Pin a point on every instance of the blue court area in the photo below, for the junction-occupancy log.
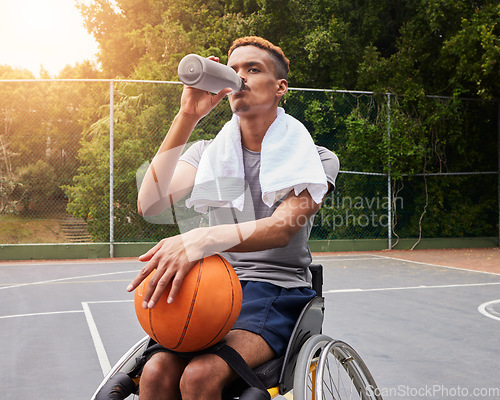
(424, 331)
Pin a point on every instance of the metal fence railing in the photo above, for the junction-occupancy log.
(70, 151)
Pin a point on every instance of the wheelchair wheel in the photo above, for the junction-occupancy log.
(342, 374)
(329, 369)
(125, 365)
(304, 381)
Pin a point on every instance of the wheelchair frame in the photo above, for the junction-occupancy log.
(315, 366)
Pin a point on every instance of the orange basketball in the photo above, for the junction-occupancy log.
(204, 310)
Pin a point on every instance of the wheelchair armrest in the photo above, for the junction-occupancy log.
(269, 372)
(309, 323)
(317, 278)
(281, 370)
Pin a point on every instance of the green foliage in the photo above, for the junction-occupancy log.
(411, 49)
(8, 203)
(474, 214)
(143, 114)
(444, 47)
(409, 135)
(40, 131)
(38, 181)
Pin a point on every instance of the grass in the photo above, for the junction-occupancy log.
(22, 229)
(40, 223)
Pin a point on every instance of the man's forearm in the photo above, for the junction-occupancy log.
(248, 236)
(266, 233)
(153, 195)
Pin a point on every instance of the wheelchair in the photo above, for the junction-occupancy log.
(314, 367)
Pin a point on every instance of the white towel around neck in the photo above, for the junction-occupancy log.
(289, 161)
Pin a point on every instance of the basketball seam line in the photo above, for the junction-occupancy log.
(191, 308)
(151, 325)
(232, 302)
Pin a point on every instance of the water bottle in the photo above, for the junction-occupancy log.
(208, 75)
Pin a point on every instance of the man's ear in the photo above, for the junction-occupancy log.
(282, 87)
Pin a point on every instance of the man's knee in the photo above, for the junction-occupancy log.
(153, 372)
(207, 375)
(161, 371)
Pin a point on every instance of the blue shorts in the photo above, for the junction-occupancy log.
(271, 311)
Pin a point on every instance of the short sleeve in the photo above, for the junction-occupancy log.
(192, 154)
(331, 164)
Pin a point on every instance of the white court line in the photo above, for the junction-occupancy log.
(99, 346)
(41, 313)
(63, 312)
(435, 265)
(408, 288)
(66, 279)
(482, 309)
(109, 301)
(25, 263)
(330, 258)
(94, 332)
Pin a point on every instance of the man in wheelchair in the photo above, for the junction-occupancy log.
(281, 178)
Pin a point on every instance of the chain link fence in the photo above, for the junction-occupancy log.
(57, 161)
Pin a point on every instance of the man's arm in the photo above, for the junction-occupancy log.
(173, 257)
(165, 174)
(167, 180)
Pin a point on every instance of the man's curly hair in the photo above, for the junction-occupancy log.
(281, 63)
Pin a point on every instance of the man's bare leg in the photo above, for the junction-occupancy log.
(205, 376)
(165, 375)
(160, 377)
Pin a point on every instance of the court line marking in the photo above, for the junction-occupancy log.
(482, 309)
(64, 312)
(96, 338)
(436, 265)
(408, 288)
(65, 283)
(40, 313)
(94, 331)
(109, 301)
(22, 263)
(337, 258)
(102, 355)
(66, 279)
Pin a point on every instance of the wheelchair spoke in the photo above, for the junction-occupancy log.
(342, 374)
(334, 383)
(337, 374)
(311, 377)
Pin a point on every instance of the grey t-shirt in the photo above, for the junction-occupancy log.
(283, 266)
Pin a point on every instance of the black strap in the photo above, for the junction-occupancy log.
(221, 349)
(154, 348)
(239, 365)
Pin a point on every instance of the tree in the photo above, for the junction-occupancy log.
(39, 183)
(411, 49)
(40, 132)
(447, 48)
(143, 114)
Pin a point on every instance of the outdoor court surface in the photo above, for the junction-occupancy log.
(427, 328)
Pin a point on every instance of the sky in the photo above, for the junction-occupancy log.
(43, 32)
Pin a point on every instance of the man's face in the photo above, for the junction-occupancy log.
(262, 88)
